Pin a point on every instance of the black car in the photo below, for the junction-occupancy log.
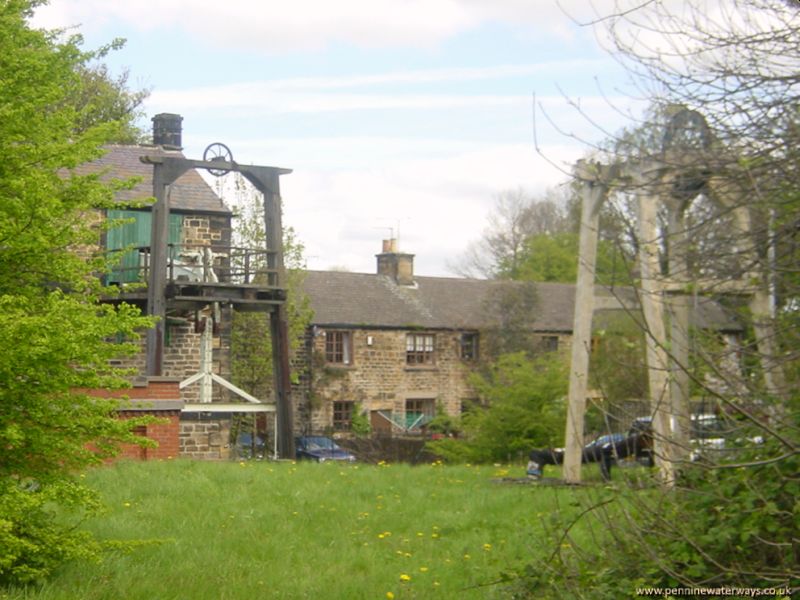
(320, 449)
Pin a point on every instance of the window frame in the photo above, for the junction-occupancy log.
(339, 347)
(340, 408)
(469, 346)
(419, 407)
(550, 343)
(420, 349)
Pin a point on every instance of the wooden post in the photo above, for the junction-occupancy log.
(655, 335)
(593, 193)
(679, 335)
(267, 181)
(761, 310)
(164, 174)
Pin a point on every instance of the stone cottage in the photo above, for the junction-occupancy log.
(398, 347)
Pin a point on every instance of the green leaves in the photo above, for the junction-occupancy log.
(524, 408)
(54, 334)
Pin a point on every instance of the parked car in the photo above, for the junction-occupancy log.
(245, 447)
(594, 449)
(320, 449)
(711, 437)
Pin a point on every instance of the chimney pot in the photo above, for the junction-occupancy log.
(167, 131)
(396, 265)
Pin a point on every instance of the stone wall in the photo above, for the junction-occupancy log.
(182, 355)
(206, 438)
(379, 377)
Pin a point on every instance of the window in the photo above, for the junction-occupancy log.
(419, 411)
(550, 343)
(338, 347)
(342, 416)
(419, 348)
(469, 346)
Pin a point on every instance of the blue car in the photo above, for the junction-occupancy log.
(245, 447)
(320, 449)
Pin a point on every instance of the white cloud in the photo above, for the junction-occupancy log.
(273, 26)
(439, 205)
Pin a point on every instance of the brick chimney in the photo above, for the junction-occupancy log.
(167, 131)
(398, 266)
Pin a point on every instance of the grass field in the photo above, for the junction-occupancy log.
(281, 530)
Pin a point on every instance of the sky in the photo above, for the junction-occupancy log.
(399, 118)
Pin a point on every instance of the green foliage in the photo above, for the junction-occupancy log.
(53, 331)
(359, 421)
(31, 541)
(733, 527)
(554, 257)
(443, 422)
(103, 98)
(251, 343)
(524, 408)
(509, 307)
(617, 363)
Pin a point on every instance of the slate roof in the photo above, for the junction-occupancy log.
(367, 300)
(190, 193)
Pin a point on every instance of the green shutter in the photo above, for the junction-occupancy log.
(135, 233)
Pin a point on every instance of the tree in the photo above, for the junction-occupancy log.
(251, 342)
(524, 409)
(54, 332)
(730, 519)
(516, 217)
(104, 98)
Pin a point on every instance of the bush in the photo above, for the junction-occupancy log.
(524, 408)
(34, 538)
(720, 526)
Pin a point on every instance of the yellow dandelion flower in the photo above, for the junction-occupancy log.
(467, 557)
(405, 577)
(436, 584)
(487, 547)
(423, 569)
(420, 534)
(126, 504)
(389, 595)
(381, 536)
(435, 536)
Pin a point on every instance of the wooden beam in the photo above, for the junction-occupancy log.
(228, 407)
(594, 193)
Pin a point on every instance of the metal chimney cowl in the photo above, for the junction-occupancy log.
(167, 131)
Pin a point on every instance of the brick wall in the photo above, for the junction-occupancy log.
(158, 397)
(165, 434)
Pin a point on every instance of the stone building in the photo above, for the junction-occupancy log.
(398, 347)
(200, 232)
